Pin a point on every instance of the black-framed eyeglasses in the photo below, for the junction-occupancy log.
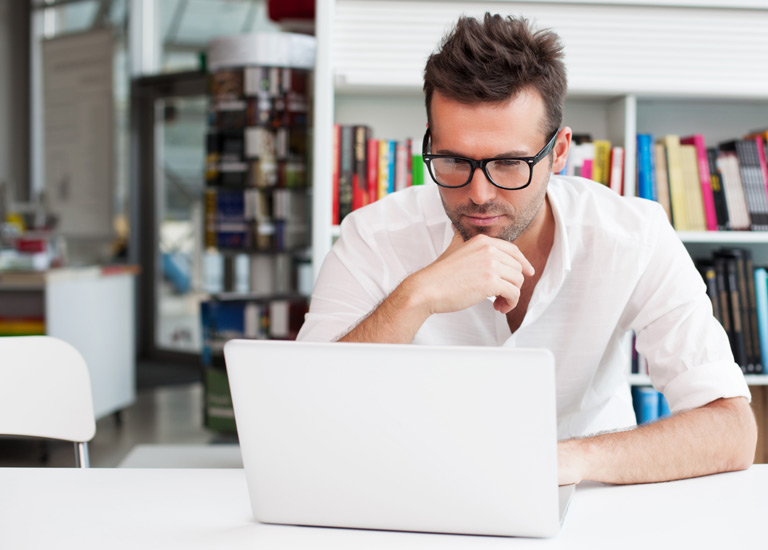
(508, 173)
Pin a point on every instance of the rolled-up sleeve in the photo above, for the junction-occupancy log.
(688, 353)
(348, 287)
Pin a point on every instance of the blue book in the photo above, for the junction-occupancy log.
(761, 296)
(646, 402)
(646, 188)
(663, 407)
(392, 157)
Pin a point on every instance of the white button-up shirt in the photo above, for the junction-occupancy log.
(616, 265)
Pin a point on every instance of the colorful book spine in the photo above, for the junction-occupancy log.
(646, 403)
(601, 166)
(335, 175)
(373, 170)
(676, 182)
(718, 192)
(661, 187)
(346, 171)
(645, 171)
(761, 295)
(383, 169)
(708, 201)
(616, 179)
(694, 205)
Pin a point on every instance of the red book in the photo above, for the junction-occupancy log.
(373, 170)
(335, 175)
(707, 198)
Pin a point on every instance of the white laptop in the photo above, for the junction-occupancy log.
(399, 437)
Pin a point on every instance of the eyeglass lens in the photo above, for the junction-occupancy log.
(455, 172)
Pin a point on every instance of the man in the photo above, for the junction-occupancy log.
(502, 252)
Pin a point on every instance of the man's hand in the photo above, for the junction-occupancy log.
(469, 272)
(465, 274)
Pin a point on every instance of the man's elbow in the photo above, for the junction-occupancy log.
(741, 421)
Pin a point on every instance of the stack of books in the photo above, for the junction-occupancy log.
(706, 188)
(597, 160)
(366, 169)
(256, 163)
(739, 294)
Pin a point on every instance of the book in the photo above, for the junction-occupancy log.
(727, 265)
(708, 201)
(601, 165)
(645, 167)
(346, 183)
(391, 158)
(738, 214)
(709, 275)
(694, 205)
(751, 304)
(383, 178)
(752, 181)
(646, 403)
(718, 192)
(401, 166)
(662, 183)
(761, 299)
(616, 176)
(664, 411)
(418, 170)
(676, 183)
(373, 170)
(360, 192)
(582, 150)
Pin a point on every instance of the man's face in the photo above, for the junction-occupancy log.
(511, 129)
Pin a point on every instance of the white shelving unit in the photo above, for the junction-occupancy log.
(658, 66)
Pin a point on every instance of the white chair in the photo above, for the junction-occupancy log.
(45, 391)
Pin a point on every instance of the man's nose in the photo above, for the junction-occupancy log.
(481, 190)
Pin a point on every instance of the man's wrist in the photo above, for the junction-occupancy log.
(413, 298)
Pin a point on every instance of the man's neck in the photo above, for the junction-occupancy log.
(536, 241)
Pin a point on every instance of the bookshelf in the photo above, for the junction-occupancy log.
(659, 66)
(257, 199)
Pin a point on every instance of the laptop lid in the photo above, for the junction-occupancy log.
(398, 437)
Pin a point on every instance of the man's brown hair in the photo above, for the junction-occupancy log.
(493, 60)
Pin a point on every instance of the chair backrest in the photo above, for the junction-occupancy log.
(45, 391)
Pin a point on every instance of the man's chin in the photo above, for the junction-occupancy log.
(472, 231)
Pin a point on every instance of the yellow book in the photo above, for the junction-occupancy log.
(383, 168)
(662, 184)
(694, 204)
(601, 168)
(676, 183)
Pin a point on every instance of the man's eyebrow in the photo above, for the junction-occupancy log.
(506, 154)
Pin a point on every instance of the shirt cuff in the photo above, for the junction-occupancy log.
(705, 383)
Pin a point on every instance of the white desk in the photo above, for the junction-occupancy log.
(139, 508)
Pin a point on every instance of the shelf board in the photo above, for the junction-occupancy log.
(752, 379)
(723, 236)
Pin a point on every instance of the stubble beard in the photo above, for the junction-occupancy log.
(519, 220)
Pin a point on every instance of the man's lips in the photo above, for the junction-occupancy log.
(481, 220)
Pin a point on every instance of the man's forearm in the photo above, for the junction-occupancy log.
(717, 437)
(394, 321)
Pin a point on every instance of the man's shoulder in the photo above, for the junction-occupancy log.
(587, 203)
(417, 205)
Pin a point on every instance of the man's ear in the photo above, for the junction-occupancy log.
(561, 148)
